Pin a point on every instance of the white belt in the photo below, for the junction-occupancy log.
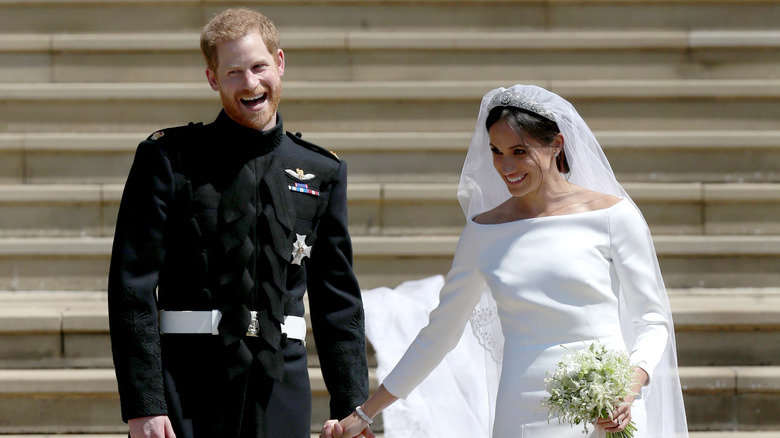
(207, 322)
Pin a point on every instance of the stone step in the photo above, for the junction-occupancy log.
(70, 330)
(68, 16)
(85, 401)
(432, 157)
(686, 261)
(714, 327)
(56, 435)
(361, 55)
(716, 434)
(402, 209)
(81, 435)
(418, 106)
(731, 398)
(56, 329)
(692, 434)
(735, 434)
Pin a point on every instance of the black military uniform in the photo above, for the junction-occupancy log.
(224, 217)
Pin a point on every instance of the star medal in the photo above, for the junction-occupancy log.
(254, 325)
(300, 250)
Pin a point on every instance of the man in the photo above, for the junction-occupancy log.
(221, 229)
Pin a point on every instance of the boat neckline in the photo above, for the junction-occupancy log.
(534, 219)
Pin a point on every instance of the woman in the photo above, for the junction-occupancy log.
(566, 259)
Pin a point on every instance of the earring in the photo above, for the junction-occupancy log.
(556, 154)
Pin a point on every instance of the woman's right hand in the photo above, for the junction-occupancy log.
(353, 425)
(158, 426)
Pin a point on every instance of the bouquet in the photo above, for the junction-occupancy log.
(588, 384)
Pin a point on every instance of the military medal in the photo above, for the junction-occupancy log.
(303, 188)
(300, 250)
(299, 174)
(254, 325)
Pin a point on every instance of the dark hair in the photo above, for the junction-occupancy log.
(526, 123)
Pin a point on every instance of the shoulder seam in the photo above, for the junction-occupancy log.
(313, 147)
(159, 135)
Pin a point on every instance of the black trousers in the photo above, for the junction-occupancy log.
(202, 403)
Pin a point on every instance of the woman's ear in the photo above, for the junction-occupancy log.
(557, 143)
(561, 161)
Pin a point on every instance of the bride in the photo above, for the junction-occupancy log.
(554, 256)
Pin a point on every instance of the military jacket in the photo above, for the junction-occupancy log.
(220, 216)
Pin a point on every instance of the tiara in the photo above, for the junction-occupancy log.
(514, 99)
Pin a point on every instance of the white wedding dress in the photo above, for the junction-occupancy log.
(557, 282)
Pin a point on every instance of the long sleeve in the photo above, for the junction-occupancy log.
(457, 299)
(336, 306)
(635, 265)
(136, 261)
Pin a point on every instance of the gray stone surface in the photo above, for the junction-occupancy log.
(683, 95)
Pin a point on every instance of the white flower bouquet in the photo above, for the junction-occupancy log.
(588, 384)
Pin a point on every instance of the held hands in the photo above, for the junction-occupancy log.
(151, 427)
(357, 424)
(349, 427)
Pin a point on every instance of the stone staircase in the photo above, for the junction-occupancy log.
(682, 94)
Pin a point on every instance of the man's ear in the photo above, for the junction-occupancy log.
(211, 76)
(279, 58)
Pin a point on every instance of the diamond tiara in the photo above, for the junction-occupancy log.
(514, 99)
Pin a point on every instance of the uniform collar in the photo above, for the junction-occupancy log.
(240, 135)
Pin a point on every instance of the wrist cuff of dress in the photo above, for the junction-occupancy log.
(363, 416)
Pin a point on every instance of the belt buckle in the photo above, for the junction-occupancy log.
(254, 326)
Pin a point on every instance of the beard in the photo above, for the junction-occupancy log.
(258, 120)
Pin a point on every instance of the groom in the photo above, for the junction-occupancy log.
(221, 230)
